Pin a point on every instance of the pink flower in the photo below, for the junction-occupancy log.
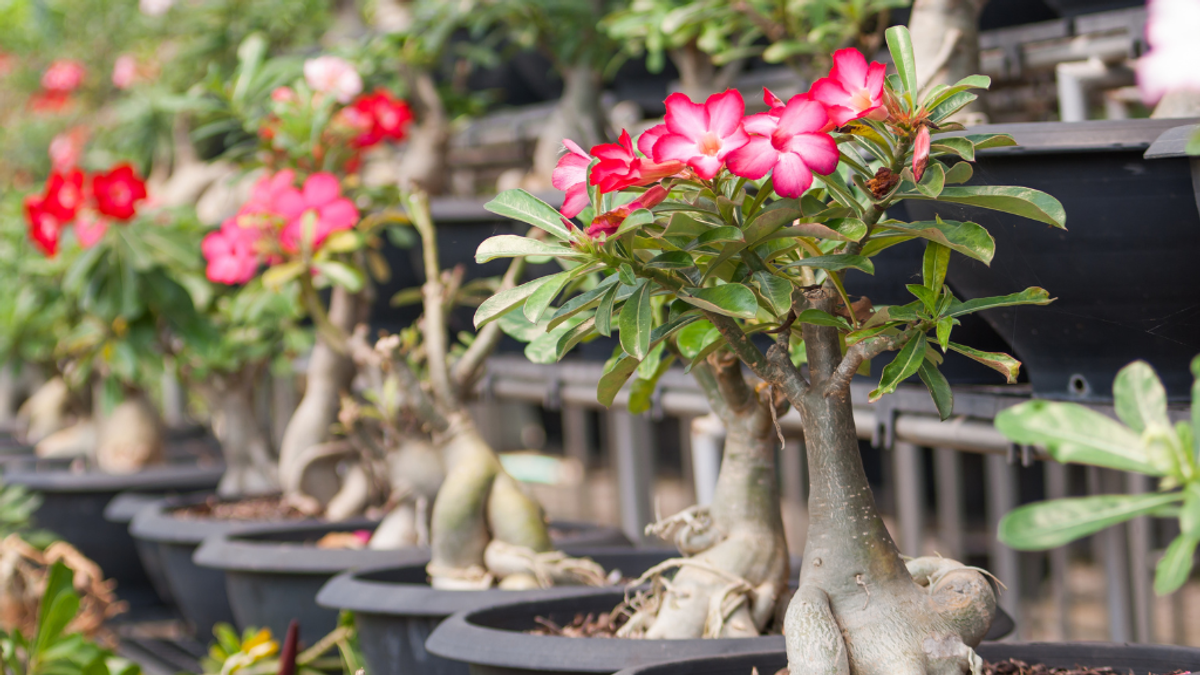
(792, 146)
(124, 71)
(155, 7)
(334, 76)
(63, 75)
(322, 198)
(570, 176)
(284, 95)
(920, 153)
(853, 89)
(267, 191)
(702, 135)
(773, 102)
(619, 167)
(1172, 27)
(231, 253)
(90, 228)
(609, 222)
(67, 148)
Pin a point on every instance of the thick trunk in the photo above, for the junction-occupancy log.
(737, 567)
(698, 76)
(250, 465)
(329, 374)
(131, 438)
(424, 161)
(48, 410)
(859, 608)
(945, 37)
(578, 117)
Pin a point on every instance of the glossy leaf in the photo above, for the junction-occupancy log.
(635, 220)
(696, 337)
(933, 181)
(774, 216)
(616, 373)
(586, 300)
(278, 275)
(837, 261)
(543, 295)
(341, 274)
(729, 299)
(820, 318)
(1139, 397)
(512, 246)
(927, 297)
(552, 345)
(504, 301)
(906, 363)
(1073, 433)
(671, 260)
(604, 311)
(1176, 564)
(1043, 525)
(641, 392)
(934, 264)
(967, 238)
(1030, 296)
(522, 206)
(961, 172)
(777, 291)
(635, 322)
(951, 105)
(719, 235)
(955, 145)
(997, 361)
(899, 44)
(939, 388)
(985, 141)
(1021, 201)
(944, 326)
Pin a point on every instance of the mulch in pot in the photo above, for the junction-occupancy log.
(269, 508)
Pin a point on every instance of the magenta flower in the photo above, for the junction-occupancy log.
(853, 89)
(64, 76)
(231, 253)
(920, 153)
(334, 76)
(570, 176)
(267, 191)
(792, 146)
(1172, 27)
(322, 198)
(90, 228)
(620, 167)
(124, 71)
(702, 135)
(609, 222)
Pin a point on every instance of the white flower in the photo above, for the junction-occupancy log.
(334, 76)
(1173, 32)
(155, 7)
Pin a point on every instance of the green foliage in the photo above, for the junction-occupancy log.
(256, 652)
(1142, 440)
(53, 651)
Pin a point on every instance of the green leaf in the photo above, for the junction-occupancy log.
(1176, 564)
(1030, 296)
(906, 363)
(522, 206)
(961, 172)
(635, 322)
(951, 105)
(619, 368)
(1139, 397)
(551, 346)
(718, 235)
(729, 299)
(956, 145)
(1026, 202)
(985, 141)
(604, 311)
(512, 246)
(942, 92)
(694, 338)
(967, 238)
(820, 318)
(939, 388)
(341, 274)
(777, 291)
(59, 605)
(944, 326)
(585, 300)
(1050, 524)
(641, 392)
(671, 260)
(934, 263)
(505, 301)
(627, 275)
(635, 220)
(544, 294)
(927, 297)
(838, 261)
(933, 181)
(900, 45)
(278, 275)
(997, 361)
(1073, 433)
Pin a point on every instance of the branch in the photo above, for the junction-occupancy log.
(731, 384)
(334, 337)
(839, 381)
(433, 325)
(467, 369)
(774, 367)
(420, 402)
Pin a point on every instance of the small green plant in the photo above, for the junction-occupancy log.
(17, 505)
(256, 652)
(1142, 440)
(51, 649)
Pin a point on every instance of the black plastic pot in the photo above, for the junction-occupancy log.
(395, 609)
(73, 506)
(492, 640)
(1120, 657)
(120, 511)
(1125, 274)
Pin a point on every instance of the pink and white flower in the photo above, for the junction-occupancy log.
(1173, 33)
(124, 71)
(63, 76)
(853, 89)
(791, 146)
(702, 135)
(570, 176)
(333, 76)
(320, 200)
(231, 253)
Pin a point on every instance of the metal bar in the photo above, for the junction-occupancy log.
(1056, 488)
(577, 445)
(947, 466)
(628, 441)
(1006, 563)
(1109, 549)
(1139, 565)
(909, 489)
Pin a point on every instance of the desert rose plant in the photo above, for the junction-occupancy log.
(721, 234)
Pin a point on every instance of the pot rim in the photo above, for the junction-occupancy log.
(1036, 138)
(182, 476)
(155, 523)
(249, 550)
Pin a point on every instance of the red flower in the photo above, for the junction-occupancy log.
(570, 176)
(791, 145)
(50, 101)
(322, 197)
(118, 192)
(702, 135)
(388, 118)
(44, 226)
(920, 153)
(609, 222)
(853, 89)
(64, 195)
(63, 75)
(619, 167)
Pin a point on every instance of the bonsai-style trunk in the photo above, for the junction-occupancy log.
(46, 411)
(131, 436)
(424, 161)
(577, 116)
(737, 566)
(250, 464)
(698, 75)
(859, 608)
(330, 371)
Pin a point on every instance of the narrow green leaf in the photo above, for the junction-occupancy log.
(1050, 524)
(671, 260)
(997, 361)
(1030, 296)
(341, 274)
(729, 299)
(777, 291)
(1025, 202)
(1176, 564)
(542, 296)
(278, 275)
(967, 238)
(835, 262)
(635, 322)
(961, 172)
(1139, 397)
(552, 345)
(604, 311)
(583, 301)
(900, 45)
(522, 206)
(635, 220)
(944, 326)
(985, 141)
(952, 105)
(935, 262)
(956, 145)
(718, 235)
(505, 301)
(939, 388)
(820, 318)
(616, 373)
(927, 297)
(933, 181)
(627, 275)
(901, 368)
(774, 216)
(1073, 433)
(512, 246)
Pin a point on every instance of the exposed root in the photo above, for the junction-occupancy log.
(547, 569)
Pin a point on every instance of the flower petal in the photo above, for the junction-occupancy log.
(791, 177)
(849, 66)
(339, 214)
(685, 118)
(649, 137)
(674, 147)
(725, 112)
(321, 188)
(576, 201)
(819, 151)
(754, 159)
(801, 116)
(706, 166)
(763, 124)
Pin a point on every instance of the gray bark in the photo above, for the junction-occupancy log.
(250, 464)
(578, 117)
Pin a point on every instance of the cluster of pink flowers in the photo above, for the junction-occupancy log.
(790, 141)
(271, 225)
(59, 81)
